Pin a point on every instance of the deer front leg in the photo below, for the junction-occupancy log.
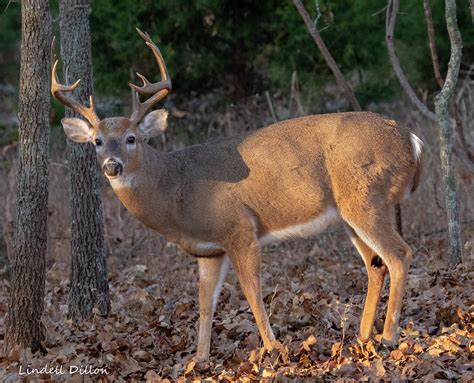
(212, 273)
(244, 253)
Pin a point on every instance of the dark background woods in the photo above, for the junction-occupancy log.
(245, 47)
(231, 64)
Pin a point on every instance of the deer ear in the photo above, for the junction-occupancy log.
(77, 130)
(154, 123)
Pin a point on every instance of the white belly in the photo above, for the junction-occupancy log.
(302, 230)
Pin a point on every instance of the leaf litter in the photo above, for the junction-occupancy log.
(314, 302)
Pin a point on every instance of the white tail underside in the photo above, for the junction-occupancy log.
(417, 146)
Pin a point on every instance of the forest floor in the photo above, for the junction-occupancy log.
(314, 291)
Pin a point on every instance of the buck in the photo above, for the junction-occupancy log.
(221, 201)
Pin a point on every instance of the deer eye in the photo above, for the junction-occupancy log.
(130, 140)
(98, 142)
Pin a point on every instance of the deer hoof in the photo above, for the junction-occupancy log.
(202, 364)
(390, 344)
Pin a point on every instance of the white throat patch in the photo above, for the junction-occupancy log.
(121, 182)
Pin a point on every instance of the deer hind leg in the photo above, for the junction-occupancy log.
(212, 272)
(244, 253)
(376, 271)
(380, 235)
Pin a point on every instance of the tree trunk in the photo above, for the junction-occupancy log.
(26, 301)
(446, 132)
(88, 284)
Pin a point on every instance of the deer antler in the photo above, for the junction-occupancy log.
(59, 91)
(158, 90)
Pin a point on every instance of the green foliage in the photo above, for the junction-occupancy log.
(249, 46)
(10, 26)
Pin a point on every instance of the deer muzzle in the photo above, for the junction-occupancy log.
(112, 168)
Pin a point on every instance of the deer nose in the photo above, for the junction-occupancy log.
(112, 168)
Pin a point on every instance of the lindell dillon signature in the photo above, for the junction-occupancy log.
(62, 370)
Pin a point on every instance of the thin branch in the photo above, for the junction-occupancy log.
(435, 192)
(390, 22)
(431, 37)
(471, 5)
(467, 157)
(270, 106)
(318, 14)
(8, 5)
(466, 161)
(341, 81)
(379, 11)
(466, 83)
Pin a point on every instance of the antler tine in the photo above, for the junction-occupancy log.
(158, 90)
(59, 91)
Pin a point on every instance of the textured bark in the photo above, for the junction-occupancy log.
(88, 284)
(442, 101)
(466, 156)
(441, 116)
(26, 301)
(341, 81)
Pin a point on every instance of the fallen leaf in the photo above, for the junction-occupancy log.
(380, 369)
(310, 341)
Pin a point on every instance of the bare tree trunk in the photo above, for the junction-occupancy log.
(26, 302)
(441, 116)
(466, 156)
(341, 81)
(442, 101)
(88, 284)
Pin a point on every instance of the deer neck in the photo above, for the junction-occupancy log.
(148, 193)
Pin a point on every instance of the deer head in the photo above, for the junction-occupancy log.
(118, 140)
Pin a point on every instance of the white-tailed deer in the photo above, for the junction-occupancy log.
(222, 200)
